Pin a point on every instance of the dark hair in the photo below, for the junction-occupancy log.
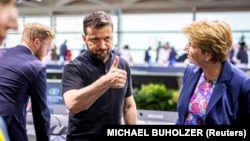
(97, 19)
(6, 2)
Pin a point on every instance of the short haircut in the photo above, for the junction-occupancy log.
(97, 19)
(36, 30)
(212, 36)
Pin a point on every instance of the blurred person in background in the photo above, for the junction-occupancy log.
(243, 55)
(147, 56)
(159, 46)
(238, 55)
(172, 56)
(8, 17)
(54, 55)
(97, 84)
(214, 91)
(164, 53)
(126, 54)
(63, 52)
(8, 20)
(233, 54)
(23, 76)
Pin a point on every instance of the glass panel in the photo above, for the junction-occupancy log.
(75, 23)
(139, 42)
(154, 22)
(237, 20)
(42, 20)
(69, 24)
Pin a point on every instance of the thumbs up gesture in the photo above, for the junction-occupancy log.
(117, 77)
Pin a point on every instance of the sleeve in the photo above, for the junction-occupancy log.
(244, 104)
(40, 110)
(185, 75)
(71, 78)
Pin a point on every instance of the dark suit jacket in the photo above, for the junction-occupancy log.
(241, 55)
(22, 76)
(230, 100)
(63, 50)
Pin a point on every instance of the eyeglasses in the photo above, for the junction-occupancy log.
(47, 45)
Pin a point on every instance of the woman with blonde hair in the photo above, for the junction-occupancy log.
(8, 17)
(214, 91)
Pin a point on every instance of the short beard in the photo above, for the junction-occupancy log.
(105, 57)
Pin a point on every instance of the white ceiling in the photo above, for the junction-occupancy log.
(66, 7)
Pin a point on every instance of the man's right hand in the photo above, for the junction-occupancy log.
(117, 77)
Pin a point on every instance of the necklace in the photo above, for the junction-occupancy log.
(213, 81)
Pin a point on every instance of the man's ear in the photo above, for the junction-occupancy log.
(209, 56)
(36, 42)
(84, 37)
